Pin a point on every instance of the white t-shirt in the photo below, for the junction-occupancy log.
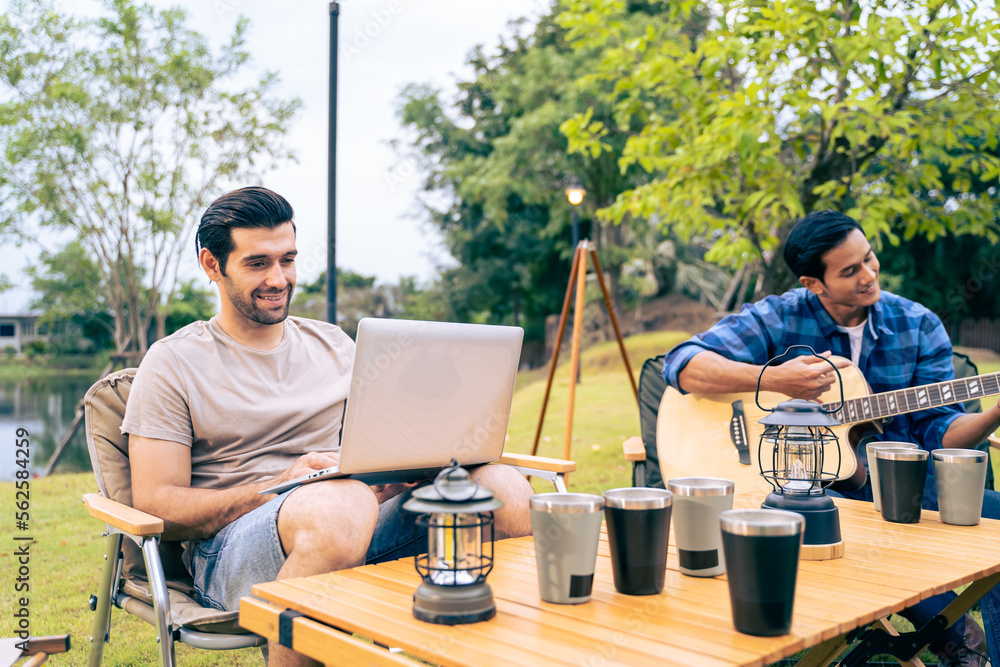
(246, 414)
(854, 335)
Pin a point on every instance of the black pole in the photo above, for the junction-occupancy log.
(331, 188)
(583, 258)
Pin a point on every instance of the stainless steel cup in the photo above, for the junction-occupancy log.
(762, 560)
(566, 528)
(960, 477)
(697, 504)
(902, 475)
(638, 520)
(870, 449)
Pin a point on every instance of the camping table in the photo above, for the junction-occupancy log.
(886, 568)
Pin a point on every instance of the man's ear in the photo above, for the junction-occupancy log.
(210, 265)
(814, 285)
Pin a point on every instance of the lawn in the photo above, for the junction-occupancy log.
(67, 551)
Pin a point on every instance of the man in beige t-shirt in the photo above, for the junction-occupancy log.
(223, 409)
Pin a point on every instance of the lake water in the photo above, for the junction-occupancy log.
(45, 407)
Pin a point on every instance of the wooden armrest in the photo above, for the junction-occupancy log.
(538, 462)
(994, 441)
(635, 449)
(122, 517)
(49, 644)
(313, 638)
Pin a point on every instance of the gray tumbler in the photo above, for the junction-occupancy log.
(567, 529)
(960, 477)
(873, 469)
(697, 504)
(902, 474)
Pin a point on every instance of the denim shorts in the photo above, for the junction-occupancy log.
(248, 551)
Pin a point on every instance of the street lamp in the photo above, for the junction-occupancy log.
(575, 194)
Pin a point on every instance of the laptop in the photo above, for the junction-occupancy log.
(422, 394)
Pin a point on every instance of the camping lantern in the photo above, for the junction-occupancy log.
(458, 516)
(797, 436)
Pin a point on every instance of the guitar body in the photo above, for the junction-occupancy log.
(718, 435)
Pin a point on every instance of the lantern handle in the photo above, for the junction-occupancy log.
(448, 493)
(756, 396)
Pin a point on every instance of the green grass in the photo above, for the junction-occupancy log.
(66, 558)
(67, 552)
(47, 365)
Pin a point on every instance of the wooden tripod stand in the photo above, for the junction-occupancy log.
(578, 279)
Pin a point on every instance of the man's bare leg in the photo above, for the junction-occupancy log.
(510, 486)
(324, 527)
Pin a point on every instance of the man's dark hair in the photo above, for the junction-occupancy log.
(812, 237)
(244, 208)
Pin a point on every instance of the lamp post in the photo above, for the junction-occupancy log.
(575, 194)
(331, 187)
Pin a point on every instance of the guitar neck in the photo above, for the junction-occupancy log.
(902, 401)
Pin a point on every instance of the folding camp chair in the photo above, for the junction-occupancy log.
(142, 574)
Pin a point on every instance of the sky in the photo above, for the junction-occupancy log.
(384, 45)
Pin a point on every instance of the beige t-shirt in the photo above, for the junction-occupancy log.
(246, 414)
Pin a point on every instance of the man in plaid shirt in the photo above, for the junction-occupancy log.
(896, 343)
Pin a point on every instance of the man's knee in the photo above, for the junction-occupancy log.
(338, 515)
(510, 486)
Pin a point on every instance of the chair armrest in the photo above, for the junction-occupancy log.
(994, 441)
(538, 462)
(635, 449)
(122, 517)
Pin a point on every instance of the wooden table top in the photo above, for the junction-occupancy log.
(886, 568)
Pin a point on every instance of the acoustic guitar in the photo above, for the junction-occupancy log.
(718, 435)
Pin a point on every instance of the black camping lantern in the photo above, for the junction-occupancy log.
(458, 516)
(797, 436)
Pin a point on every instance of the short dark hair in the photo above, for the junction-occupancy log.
(812, 237)
(248, 207)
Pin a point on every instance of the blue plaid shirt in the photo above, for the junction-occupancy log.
(904, 345)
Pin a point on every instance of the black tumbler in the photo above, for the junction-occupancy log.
(638, 522)
(902, 474)
(761, 548)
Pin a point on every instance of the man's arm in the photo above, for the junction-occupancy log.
(161, 485)
(968, 430)
(800, 377)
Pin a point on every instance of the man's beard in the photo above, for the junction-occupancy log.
(249, 309)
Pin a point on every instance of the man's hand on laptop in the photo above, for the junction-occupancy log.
(306, 464)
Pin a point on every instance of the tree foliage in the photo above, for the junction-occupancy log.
(360, 296)
(497, 167)
(122, 129)
(752, 113)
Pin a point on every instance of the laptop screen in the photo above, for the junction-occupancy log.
(423, 393)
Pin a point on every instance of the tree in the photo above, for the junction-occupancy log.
(753, 113)
(69, 285)
(122, 129)
(498, 161)
(357, 296)
(191, 304)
